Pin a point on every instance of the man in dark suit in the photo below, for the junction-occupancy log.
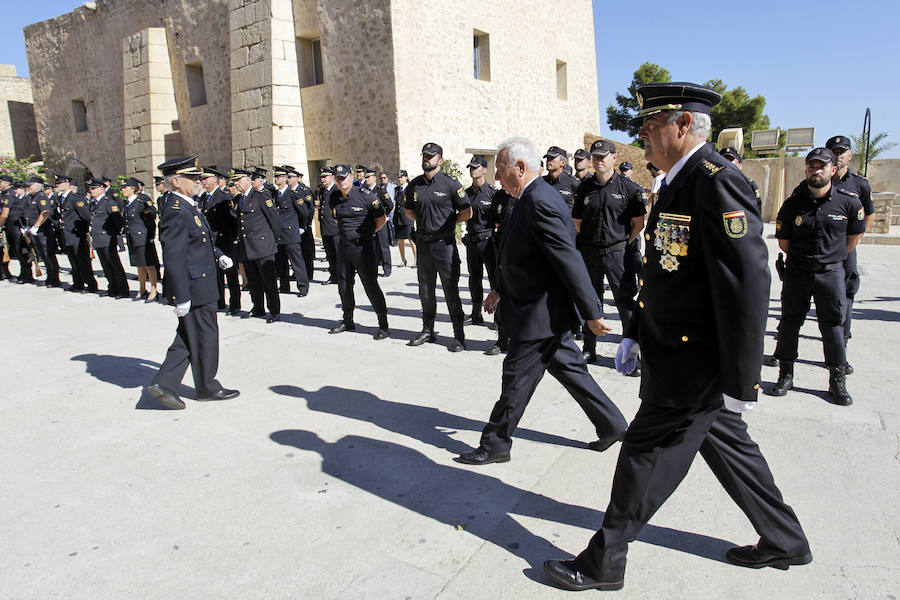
(541, 282)
(190, 258)
(106, 224)
(293, 216)
(700, 324)
(308, 242)
(76, 223)
(327, 225)
(218, 209)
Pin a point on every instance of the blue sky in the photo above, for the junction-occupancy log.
(818, 64)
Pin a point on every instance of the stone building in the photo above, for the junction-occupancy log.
(121, 86)
(18, 133)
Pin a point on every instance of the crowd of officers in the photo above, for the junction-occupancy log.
(266, 227)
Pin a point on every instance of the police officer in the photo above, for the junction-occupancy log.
(730, 153)
(327, 225)
(140, 232)
(6, 182)
(437, 202)
(383, 236)
(259, 226)
(12, 216)
(608, 214)
(479, 231)
(565, 184)
(858, 186)
(106, 223)
(626, 169)
(293, 215)
(218, 207)
(76, 224)
(502, 205)
(816, 227)
(359, 215)
(39, 226)
(582, 161)
(308, 242)
(700, 324)
(403, 225)
(190, 258)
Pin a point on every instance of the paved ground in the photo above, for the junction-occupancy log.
(332, 475)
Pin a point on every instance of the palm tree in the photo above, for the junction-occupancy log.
(877, 146)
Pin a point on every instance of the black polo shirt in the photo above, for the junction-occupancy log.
(481, 200)
(565, 185)
(356, 214)
(606, 210)
(15, 205)
(436, 203)
(818, 227)
(858, 186)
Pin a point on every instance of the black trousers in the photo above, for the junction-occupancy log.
(232, 277)
(308, 243)
(112, 269)
(17, 251)
(82, 270)
(329, 243)
(618, 269)
(828, 291)
(851, 269)
(523, 368)
(196, 344)
(656, 454)
(383, 249)
(360, 259)
(439, 257)
(45, 247)
(261, 280)
(477, 251)
(293, 254)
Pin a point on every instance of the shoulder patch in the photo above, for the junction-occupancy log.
(735, 223)
(387, 196)
(777, 225)
(375, 204)
(860, 215)
(113, 208)
(177, 204)
(79, 204)
(270, 203)
(309, 196)
(710, 168)
(756, 191)
(43, 203)
(461, 193)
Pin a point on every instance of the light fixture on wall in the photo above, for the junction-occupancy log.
(92, 6)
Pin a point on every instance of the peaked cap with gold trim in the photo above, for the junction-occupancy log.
(677, 95)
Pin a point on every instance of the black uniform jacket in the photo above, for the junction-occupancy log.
(34, 206)
(188, 254)
(76, 218)
(858, 186)
(106, 222)
(482, 201)
(292, 214)
(258, 220)
(327, 224)
(702, 309)
(305, 194)
(541, 276)
(140, 221)
(218, 208)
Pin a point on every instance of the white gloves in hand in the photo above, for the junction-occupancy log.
(627, 355)
(225, 263)
(182, 309)
(737, 406)
(33, 230)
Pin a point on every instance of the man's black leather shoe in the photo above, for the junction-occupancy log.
(382, 334)
(222, 394)
(755, 557)
(329, 281)
(303, 293)
(480, 456)
(168, 398)
(565, 574)
(475, 320)
(493, 350)
(770, 361)
(273, 318)
(848, 369)
(467, 320)
(636, 372)
(604, 443)
(342, 327)
(246, 315)
(457, 345)
(425, 336)
(589, 357)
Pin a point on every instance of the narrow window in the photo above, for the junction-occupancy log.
(310, 67)
(561, 81)
(196, 86)
(79, 114)
(318, 70)
(481, 55)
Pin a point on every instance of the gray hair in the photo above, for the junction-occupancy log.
(701, 124)
(519, 148)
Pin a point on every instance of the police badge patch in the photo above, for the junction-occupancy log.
(269, 203)
(197, 221)
(461, 193)
(860, 214)
(735, 223)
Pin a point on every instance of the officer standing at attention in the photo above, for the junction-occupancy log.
(479, 231)
(190, 258)
(730, 153)
(327, 225)
(437, 202)
(140, 231)
(5, 192)
(307, 241)
(293, 214)
(106, 224)
(259, 226)
(609, 214)
(38, 209)
(582, 161)
(700, 323)
(541, 280)
(11, 216)
(557, 177)
(858, 186)
(218, 207)
(359, 215)
(76, 224)
(626, 169)
(403, 225)
(816, 227)
(382, 236)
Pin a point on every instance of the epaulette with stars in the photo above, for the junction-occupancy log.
(711, 169)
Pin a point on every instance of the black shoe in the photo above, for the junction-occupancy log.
(755, 558)
(124, 296)
(837, 386)
(481, 456)
(382, 333)
(848, 369)
(284, 290)
(565, 574)
(12, 279)
(273, 318)
(468, 320)
(246, 315)
(222, 394)
(77, 290)
(245, 287)
(457, 345)
(427, 335)
(770, 361)
(54, 284)
(342, 327)
(303, 293)
(636, 371)
(39, 283)
(476, 320)
(169, 398)
(329, 281)
(493, 350)
(785, 380)
(491, 325)
(589, 357)
(604, 443)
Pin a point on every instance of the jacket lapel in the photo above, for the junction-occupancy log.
(668, 192)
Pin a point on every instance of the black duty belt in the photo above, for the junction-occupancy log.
(356, 242)
(421, 236)
(813, 267)
(603, 250)
(480, 235)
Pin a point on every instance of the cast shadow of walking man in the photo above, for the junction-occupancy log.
(457, 496)
(128, 373)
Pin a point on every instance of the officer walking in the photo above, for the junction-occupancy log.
(106, 223)
(12, 216)
(327, 225)
(816, 227)
(437, 202)
(76, 224)
(479, 231)
(359, 215)
(609, 214)
(293, 215)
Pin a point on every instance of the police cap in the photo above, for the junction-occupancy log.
(7, 178)
(581, 154)
(157, 179)
(822, 154)
(211, 171)
(555, 151)
(281, 170)
(236, 174)
(603, 147)
(625, 166)
(326, 171)
(94, 182)
(431, 149)
(402, 173)
(186, 165)
(731, 153)
(838, 141)
(258, 173)
(677, 95)
(370, 172)
(35, 179)
(476, 162)
(341, 171)
(131, 181)
(63, 179)
(20, 184)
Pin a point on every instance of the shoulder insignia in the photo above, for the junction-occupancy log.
(43, 203)
(645, 197)
(113, 208)
(299, 201)
(461, 193)
(375, 203)
(177, 204)
(798, 221)
(735, 223)
(309, 196)
(756, 191)
(777, 225)
(415, 197)
(386, 196)
(197, 221)
(270, 203)
(710, 168)
(860, 215)
(79, 204)
(853, 193)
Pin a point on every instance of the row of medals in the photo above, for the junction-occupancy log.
(672, 241)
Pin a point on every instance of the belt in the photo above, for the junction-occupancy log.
(815, 268)
(433, 237)
(604, 250)
(480, 235)
(356, 242)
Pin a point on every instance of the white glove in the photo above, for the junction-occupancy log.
(737, 406)
(182, 309)
(33, 230)
(627, 355)
(302, 231)
(225, 263)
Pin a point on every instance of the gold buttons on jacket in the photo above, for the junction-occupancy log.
(640, 281)
(646, 236)
(641, 304)
(645, 260)
(756, 387)
(684, 338)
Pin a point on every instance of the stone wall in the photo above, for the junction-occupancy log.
(18, 130)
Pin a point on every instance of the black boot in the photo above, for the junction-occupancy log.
(383, 329)
(785, 379)
(589, 351)
(837, 386)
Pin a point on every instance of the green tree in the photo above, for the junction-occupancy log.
(451, 168)
(19, 168)
(737, 109)
(626, 107)
(877, 146)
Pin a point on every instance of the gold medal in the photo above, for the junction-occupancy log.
(675, 249)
